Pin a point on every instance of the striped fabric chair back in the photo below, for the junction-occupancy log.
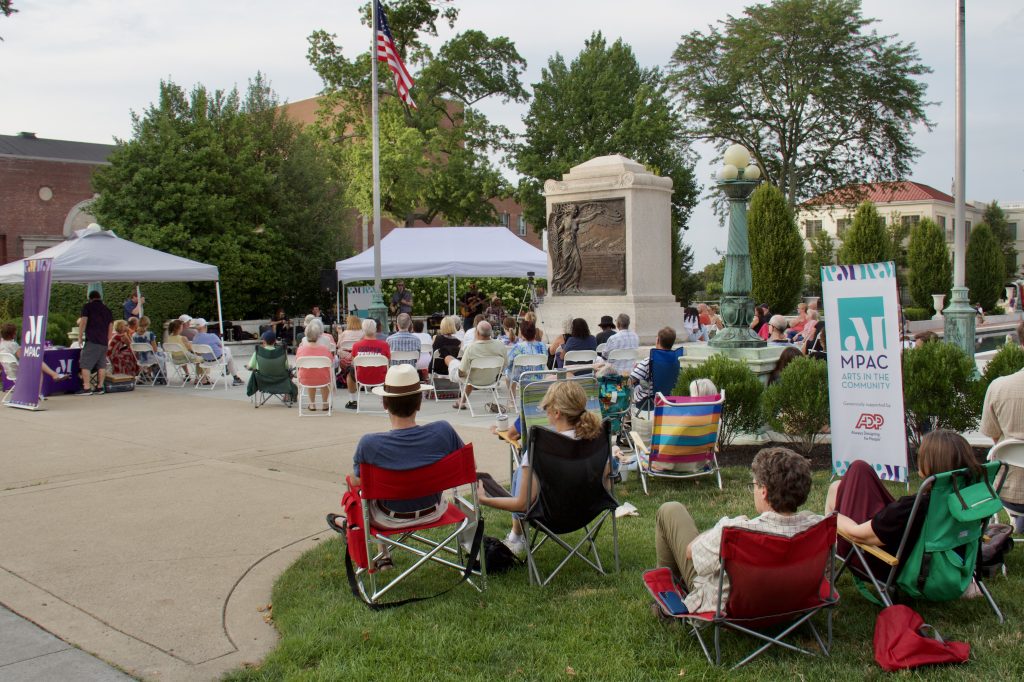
(685, 428)
(533, 386)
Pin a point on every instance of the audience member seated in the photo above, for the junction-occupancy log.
(526, 345)
(607, 326)
(869, 514)
(404, 339)
(205, 337)
(119, 351)
(760, 322)
(1002, 416)
(352, 333)
(268, 340)
(314, 376)
(406, 445)
(565, 405)
(695, 329)
(187, 330)
(483, 347)
(508, 331)
(531, 317)
(924, 337)
(469, 335)
(641, 378)
(580, 338)
(368, 345)
(799, 330)
(782, 481)
(789, 353)
(417, 331)
(555, 347)
(446, 344)
(623, 338)
(777, 331)
(143, 334)
(8, 344)
(814, 341)
(175, 334)
(325, 338)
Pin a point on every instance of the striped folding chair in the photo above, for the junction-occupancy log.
(684, 438)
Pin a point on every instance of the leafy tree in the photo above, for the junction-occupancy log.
(821, 101)
(823, 252)
(742, 410)
(938, 383)
(866, 240)
(227, 179)
(1009, 360)
(985, 262)
(797, 404)
(7, 9)
(435, 158)
(711, 277)
(685, 282)
(995, 218)
(776, 250)
(931, 271)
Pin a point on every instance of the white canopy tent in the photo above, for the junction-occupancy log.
(447, 252)
(97, 255)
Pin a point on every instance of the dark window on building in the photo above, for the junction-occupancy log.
(522, 226)
(841, 226)
(910, 220)
(1011, 228)
(811, 228)
(504, 219)
(3, 249)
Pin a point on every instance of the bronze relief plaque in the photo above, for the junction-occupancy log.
(587, 242)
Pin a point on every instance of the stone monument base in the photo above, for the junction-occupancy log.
(761, 361)
(647, 314)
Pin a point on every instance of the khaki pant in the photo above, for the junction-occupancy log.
(674, 531)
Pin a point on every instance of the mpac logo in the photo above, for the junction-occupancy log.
(862, 323)
(872, 422)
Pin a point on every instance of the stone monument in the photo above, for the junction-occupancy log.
(609, 248)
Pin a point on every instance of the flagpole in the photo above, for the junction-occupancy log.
(376, 150)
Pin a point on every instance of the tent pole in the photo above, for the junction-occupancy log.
(220, 315)
(455, 284)
(138, 293)
(337, 304)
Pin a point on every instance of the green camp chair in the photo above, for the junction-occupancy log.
(271, 377)
(944, 560)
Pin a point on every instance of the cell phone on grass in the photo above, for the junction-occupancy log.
(673, 601)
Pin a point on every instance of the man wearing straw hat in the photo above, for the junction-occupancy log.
(406, 446)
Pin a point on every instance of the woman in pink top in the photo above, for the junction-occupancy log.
(320, 376)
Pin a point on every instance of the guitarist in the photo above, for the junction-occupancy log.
(472, 305)
(401, 300)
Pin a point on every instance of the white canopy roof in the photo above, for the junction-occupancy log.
(96, 255)
(442, 251)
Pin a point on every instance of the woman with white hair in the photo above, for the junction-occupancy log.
(314, 376)
(325, 338)
(368, 345)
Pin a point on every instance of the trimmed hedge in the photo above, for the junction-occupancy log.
(742, 409)
(164, 300)
(797, 404)
(917, 314)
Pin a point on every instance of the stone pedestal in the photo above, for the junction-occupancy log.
(620, 216)
(761, 361)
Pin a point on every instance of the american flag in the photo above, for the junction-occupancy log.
(387, 52)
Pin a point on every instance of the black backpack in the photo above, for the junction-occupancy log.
(499, 557)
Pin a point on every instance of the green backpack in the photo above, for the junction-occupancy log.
(940, 566)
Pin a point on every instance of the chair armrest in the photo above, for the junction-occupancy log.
(876, 552)
(639, 443)
(514, 442)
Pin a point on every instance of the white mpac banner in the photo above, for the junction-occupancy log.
(865, 372)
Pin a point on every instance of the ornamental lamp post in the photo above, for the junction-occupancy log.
(737, 178)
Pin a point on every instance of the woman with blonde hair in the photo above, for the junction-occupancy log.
(446, 344)
(565, 405)
(353, 332)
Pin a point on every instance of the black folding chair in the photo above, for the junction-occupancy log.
(572, 475)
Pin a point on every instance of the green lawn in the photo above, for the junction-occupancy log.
(587, 626)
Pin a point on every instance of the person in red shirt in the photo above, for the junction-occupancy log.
(368, 345)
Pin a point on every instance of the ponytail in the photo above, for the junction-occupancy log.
(589, 426)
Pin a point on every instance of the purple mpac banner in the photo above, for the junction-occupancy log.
(33, 333)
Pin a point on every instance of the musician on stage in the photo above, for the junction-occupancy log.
(473, 304)
(401, 300)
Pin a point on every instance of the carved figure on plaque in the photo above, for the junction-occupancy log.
(568, 224)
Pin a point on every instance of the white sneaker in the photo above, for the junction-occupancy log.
(516, 543)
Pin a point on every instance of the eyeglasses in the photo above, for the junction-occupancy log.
(752, 485)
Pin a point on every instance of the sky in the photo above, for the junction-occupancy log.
(76, 69)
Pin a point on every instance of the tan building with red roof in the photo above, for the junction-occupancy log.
(905, 201)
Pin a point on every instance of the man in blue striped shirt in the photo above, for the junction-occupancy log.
(404, 339)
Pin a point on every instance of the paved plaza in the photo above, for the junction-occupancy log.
(147, 528)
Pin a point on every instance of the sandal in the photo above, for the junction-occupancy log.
(311, 408)
(384, 564)
(458, 406)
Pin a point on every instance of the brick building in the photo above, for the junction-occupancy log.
(510, 213)
(45, 188)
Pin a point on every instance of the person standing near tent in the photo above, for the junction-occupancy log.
(133, 305)
(95, 327)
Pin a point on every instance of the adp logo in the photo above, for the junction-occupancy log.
(862, 324)
(871, 422)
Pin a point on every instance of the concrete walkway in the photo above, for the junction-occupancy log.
(147, 528)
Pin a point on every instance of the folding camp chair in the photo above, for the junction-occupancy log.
(179, 358)
(572, 497)
(615, 399)
(147, 359)
(376, 483)
(484, 375)
(271, 377)
(316, 362)
(684, 431)
(941, 564)
(774, 582)
(362, 362)
(528, 362)
(208, 364)
(1011, 452)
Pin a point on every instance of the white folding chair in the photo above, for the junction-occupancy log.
(140, 350)
(8, 359)
(600, 348)
(408, 357)
(575, 360)
(527, 363)
(218, 367)
(366, 361)
(484, 375)
(1010, 451)
(632, 355)
(315, 362)
(346, 346)
(179, 358)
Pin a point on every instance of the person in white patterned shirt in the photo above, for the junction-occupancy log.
(782, 481)
(624, 338)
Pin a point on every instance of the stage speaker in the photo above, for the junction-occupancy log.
(329, 280)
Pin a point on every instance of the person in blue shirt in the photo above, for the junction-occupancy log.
(133, 305)
(219, 349)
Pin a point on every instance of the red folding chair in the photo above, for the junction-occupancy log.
(776, 582)
(376, 483)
